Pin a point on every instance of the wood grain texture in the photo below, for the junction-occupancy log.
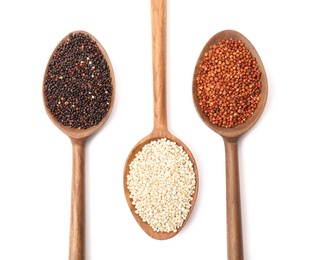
(160, 130)
(77, 213)
(159, 14)
(231, 137)
(233, 202)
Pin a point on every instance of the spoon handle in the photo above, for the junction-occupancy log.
(233, 202)
(77, 216)
(158, 11)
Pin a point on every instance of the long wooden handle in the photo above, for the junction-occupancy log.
(233, 202)
(77, 216)
(158, 12)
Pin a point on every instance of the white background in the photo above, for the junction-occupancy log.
(279, 158)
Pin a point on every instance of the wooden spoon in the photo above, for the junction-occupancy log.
(78, 139)
(231, 137)
(160, 130)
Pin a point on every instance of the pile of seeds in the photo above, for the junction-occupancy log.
(78, 86)
(161, 182)
(228, 83)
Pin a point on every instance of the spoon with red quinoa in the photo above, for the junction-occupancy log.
(230, 90)
(160, 174)
(78, 94)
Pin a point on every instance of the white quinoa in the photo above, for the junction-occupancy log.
(161, 182)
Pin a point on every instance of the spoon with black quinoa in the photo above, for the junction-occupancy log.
(78, 93)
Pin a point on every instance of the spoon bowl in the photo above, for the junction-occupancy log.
(240, 129)
(78, 139)
(75, 133)
(230, 137)
(155, 135)
(160, 130)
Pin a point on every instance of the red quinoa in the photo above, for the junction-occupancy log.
(228, 83)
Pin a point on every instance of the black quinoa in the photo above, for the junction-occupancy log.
(78, 85)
